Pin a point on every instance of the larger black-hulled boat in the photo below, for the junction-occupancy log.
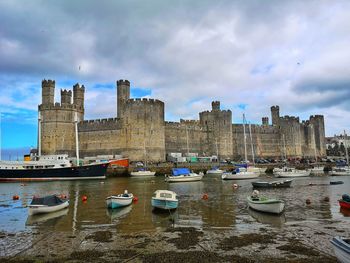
(50, 167)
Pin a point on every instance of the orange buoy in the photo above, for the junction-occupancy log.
(135, 199)
(15, 197)
(205, 196)
(84, 198)
(326, 199)
(308, 201)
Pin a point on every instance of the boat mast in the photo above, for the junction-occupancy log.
(346, 148)
(39, 133)
(245, 140)
(251, 142)
(76, 137)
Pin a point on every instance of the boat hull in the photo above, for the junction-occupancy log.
(184, 178)
(141, 174)
(293, 174)
(164, 204)
(274, 184)
(118, 201)
(341, 249)
(269, 206)
(95, 171)
(43, 209)
(239, 176)
(344, 204)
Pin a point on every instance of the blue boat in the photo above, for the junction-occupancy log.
(341, 249)
(164, 199)
(116, 201)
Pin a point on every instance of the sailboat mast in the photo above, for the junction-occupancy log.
(251, 142)
(76, 137)
(245, 141)
(346, 148)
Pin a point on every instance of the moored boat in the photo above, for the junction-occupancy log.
(273, 184)
(289, 173)
(164, 199)
(341, 249)
(142, 172)
(49, 168)
(239, 174)
(47, 204)
(264, 204)
(345, 201)
(215, 170)
(317, 170)
(340, 171)
(183, 175)
(116, 201)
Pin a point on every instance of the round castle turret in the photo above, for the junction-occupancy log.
(123, 94)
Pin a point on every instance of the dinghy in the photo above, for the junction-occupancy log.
(142, 173)
(116, 201)
(264, 204)
(345, 201)
(183, 175)
(47, 204)
(273, 184)
(164, 199)
(341, 249)
(215, 170)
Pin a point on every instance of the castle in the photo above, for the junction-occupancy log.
(140, 132)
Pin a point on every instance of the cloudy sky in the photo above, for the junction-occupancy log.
(247, 54)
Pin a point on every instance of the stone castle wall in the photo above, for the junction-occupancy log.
(140, 132)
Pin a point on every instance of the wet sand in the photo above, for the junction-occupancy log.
(220, 229)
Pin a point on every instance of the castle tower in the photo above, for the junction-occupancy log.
(48, 91)
(318, 123)
(265, 121)
(66, 96)
(78, 100)
(275, 115)
(218, 123)
(215, 105)
(123, 94)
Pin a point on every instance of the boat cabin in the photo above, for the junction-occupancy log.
(165, 194)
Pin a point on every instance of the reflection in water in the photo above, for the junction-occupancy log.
(265, 218)
(119, 213)
(224, 208)
(52, 218)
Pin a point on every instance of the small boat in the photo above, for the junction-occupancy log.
(317, 170)
(239, 174)
(339, 171)
(116, 201)
(164, 199)
(290, 172)
(215, 170)
(273, 184)
(345, 201)
(47, 204)
(183, 175)
(142, 172)
(336, 182)
(341, 249)
(264, 204)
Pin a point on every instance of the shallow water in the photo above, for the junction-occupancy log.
(226, 207)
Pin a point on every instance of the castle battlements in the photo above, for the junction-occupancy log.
(99, 124)
(144, 101)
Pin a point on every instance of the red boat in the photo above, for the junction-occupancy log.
(344, 204)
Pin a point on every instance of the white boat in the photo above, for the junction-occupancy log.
(116, 201)
(164, 199)
(142, 172)
(341, 249)
(339, 171)
(266, 205)
(317, 170)
(290, 172)
(215, 170)
(183, 175)
(239, 174)
(47, 204)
